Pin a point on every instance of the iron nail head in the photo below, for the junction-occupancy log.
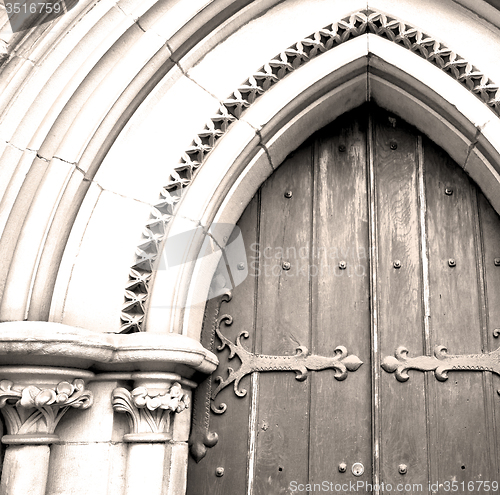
(219, 472)
(452, 262)
(286, 265)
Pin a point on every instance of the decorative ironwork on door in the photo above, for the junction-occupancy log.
(440, 363)
(301, 363)
(400, 247)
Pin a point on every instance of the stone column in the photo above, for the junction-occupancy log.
(153, 407)
(32, 401)
(159, 367)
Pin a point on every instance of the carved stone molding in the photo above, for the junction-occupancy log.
(290, 59)
(149, 411)
(54, 344)
(32, 410)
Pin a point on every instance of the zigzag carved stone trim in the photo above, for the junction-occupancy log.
(332, 35)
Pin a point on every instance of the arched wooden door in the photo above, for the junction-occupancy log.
(371, 238)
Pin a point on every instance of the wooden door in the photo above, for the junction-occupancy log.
(369, 237)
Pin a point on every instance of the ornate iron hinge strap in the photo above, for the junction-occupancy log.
(440, 363)
(201, 438)
(302, 362)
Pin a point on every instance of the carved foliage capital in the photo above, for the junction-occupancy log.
(32, 410)
(149, 411)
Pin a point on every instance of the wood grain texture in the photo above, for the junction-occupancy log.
(400, 320)
(489, 222)
(459, 427)
(341, 411)
(283, 323)
(302, 431)
(487, 378)
(232, 427)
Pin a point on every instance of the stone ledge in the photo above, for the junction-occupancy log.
(36, 343)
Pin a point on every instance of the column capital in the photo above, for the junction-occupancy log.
(34, 399)
(151, 404)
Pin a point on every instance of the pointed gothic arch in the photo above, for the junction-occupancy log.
(72, 90)
(405, 71)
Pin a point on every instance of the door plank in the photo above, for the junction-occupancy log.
(232, 426)
(489, 220)
(283, 323)
(341, 411)
(487, 379)
(459, 429)
(400, 296)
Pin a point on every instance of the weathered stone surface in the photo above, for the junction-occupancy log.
(54, 344)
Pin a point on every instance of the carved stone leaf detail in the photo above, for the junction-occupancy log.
(148, 411)
(7, 393)
(34, 397)
(24, 407)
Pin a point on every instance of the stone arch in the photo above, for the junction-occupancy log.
(367, 67)
(69, 88)
(63, 115)
(68, 92)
